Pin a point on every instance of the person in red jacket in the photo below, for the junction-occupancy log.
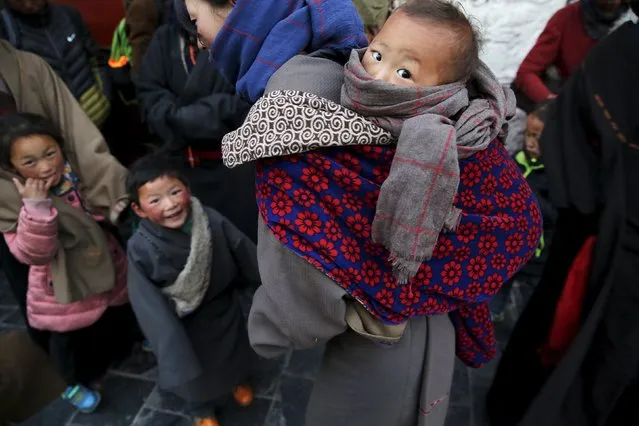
(564, 43)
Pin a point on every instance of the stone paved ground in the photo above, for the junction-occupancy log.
(132, 398)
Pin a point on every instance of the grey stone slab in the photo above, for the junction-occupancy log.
(296, 392)
(459, 416)
(485, 374)
(275, 415)
(166, 401)
(305, 364)
(253, 415)
(266, 378)
(140, 363)
(480, 381)
(479, 408)
(149, 417)
(58, 412)
(122, 399)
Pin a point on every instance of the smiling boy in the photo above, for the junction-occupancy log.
(186, 265)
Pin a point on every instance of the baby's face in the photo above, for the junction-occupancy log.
(410, 52)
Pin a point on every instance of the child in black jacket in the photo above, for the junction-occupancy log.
(530, 163)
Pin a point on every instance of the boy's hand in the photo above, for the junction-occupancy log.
(33, 189)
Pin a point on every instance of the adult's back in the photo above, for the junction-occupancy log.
(590, 147)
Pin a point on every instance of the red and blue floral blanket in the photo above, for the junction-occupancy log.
(321, 204)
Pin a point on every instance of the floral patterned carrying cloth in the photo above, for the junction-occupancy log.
(320, 203)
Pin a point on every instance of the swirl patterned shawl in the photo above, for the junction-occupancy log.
(291, 122)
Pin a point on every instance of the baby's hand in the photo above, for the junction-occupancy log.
(33, 189)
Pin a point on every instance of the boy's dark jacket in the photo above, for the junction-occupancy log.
(205, 354)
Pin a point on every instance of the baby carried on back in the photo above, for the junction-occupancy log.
(441, 228)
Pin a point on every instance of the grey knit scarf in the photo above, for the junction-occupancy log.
(435, 127)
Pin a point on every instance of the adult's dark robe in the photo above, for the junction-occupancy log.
(591, 153)
(195, 108)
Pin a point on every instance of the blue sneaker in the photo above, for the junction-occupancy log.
(82, 398)
(146, 346)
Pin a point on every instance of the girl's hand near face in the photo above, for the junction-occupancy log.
(34, 189)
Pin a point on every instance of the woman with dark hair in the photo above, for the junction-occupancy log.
(191, 107)
(573, 356)
(316, 208)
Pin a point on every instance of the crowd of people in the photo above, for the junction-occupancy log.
(351, 177)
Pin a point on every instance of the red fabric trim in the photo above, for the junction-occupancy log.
(194, 156)
(567, 320)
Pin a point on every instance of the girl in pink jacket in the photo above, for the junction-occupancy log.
(31, 151)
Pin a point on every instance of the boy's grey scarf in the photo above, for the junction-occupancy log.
(188, 290)
(435, 127)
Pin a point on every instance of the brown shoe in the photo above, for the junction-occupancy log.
(207, 421)
(243, 395)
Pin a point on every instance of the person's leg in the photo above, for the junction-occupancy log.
(18, 278)
(105, 343)
(64, 354)
(439, 366)
(360, 383)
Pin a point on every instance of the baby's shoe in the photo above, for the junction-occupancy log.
(206, 421)
(82, 398)
(243, 395)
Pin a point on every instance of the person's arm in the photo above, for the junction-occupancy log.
(102, 176)
(211, 116)
(207, 114)
(244, 253)
(35, 240)
(100, 70)
(142, 21)
(156, 100)
(543, 55)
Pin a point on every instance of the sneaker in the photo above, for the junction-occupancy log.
(146, 346)
(206, 421)
(243, 395)
(82, 398)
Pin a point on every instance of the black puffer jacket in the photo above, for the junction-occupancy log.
(58, 35)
